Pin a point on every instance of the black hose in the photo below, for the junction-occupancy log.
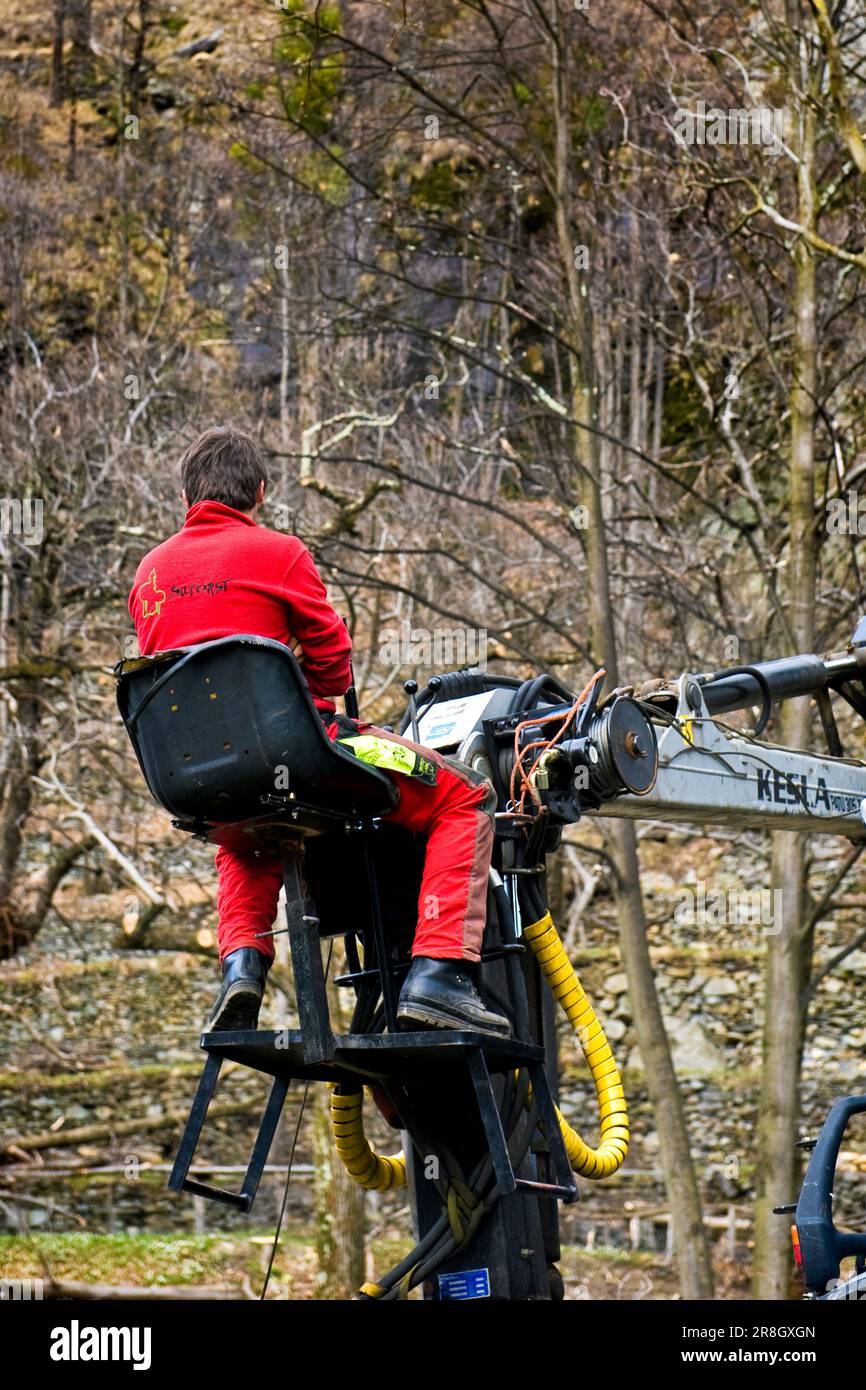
(532, 899)
(530, 693)
(760, 680)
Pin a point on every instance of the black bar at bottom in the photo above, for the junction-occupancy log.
(217, 1194)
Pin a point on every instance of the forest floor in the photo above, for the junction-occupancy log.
(238, 1263)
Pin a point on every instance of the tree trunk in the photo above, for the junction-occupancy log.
(695, 1269)
(16, 799)
(137, 66)
(58, 73)
(789, 951)
(691, 1248)
(81, 57)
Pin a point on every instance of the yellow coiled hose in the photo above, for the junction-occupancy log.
(557, 969)
(361, 1162)
(380, 1174)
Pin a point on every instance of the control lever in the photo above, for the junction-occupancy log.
(411, 689)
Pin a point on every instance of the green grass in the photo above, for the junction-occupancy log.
(238, 1261)
(156, 1260)
(129, 1259)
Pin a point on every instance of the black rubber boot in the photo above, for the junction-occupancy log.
(441, 994)
(244, 974)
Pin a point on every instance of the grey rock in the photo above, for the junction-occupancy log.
(616, 984)
(692, 1050)
(720, 985)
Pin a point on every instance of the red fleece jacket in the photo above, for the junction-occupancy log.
(222, 574)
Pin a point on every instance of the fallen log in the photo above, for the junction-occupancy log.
(168, 1293)
(86, 1134)
(149, 935)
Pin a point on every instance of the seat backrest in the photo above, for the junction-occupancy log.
(218, 726)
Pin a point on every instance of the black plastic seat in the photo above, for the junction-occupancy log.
(231, 744)
(224, 728)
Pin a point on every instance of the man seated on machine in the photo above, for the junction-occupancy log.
(223, 574)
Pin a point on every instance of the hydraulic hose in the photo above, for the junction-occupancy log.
(379, 1173)
(369, 1169)
(473, 1196)
(557, 969)
(531, 691)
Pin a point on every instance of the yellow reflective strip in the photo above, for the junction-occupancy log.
(381, 752)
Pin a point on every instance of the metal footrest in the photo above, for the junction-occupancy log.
(372, 1057)
(180, 1182)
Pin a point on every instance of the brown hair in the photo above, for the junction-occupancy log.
(223, 465)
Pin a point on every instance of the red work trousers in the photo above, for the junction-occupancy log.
(456, 816)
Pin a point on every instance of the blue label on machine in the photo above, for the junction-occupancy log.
(469, 1283)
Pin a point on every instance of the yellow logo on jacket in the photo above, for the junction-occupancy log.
(153, 601)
